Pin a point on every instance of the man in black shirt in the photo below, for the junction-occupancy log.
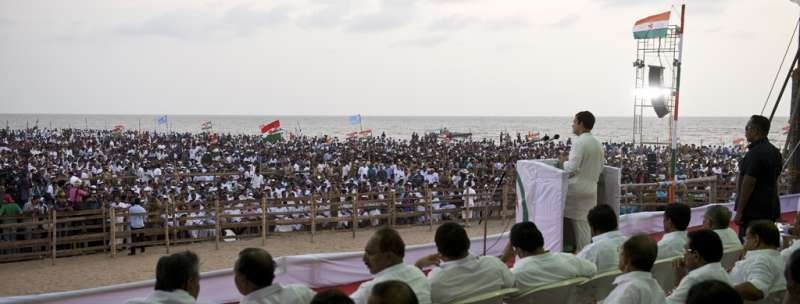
(757, 185)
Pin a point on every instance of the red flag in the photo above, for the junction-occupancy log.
(270, 126)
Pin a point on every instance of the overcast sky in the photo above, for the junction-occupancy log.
(375, 57)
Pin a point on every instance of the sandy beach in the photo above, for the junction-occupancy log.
(71, 273)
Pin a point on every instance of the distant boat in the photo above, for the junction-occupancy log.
(444, 133)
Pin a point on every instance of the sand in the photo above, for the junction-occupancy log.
(71, 273)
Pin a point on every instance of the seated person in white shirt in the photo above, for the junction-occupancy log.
(537, 267)
(761, 270)
(636, 284)
(712, 292)
(792, 276)
(676, 219)
(718, 218)
(392, 292)
(177, 280)
(606, 239)
(700, 259)
(254, 272)
(383, 256)
(460, 274)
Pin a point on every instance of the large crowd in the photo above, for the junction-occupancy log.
(71, 169)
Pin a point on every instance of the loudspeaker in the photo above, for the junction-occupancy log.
(655, 77)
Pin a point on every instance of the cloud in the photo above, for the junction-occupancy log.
(331, 14)
(451, 23)
(565, 22)
(391, 14)
(195, 24)
(507, 23)
(423, 42)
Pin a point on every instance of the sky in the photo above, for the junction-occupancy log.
(377, 57)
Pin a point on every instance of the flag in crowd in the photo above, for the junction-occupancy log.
(355, 119)
(117, 129)
(654, 26)
(206, 125)
(364, 133)
(271, 132)
(162, 120)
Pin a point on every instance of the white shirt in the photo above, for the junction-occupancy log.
(730, 240)
(277, 294)
(584, 167)
(762, 268)
(604, 250)
(671, 245)
(178, 296)
(710, 271)
(636, 287)
(786, 253)
(409, 274)
(137, 215)
(460, 279)
(538, 270)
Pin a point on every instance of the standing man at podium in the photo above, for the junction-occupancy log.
(583, 166)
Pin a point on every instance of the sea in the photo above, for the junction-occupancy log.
(691, 130)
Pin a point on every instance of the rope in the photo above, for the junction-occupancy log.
(775, 80)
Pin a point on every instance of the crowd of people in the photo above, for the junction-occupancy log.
(453, 273)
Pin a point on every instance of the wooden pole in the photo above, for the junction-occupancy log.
(53, 236)
(313, 216)
(504, 201)
(166, 227)
(105, 236)
(355, 213)
(217, 226)
(264, 226)
(392, 210)
(113, 243)
(429, 207)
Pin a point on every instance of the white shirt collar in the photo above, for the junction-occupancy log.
(606, 236)
(390, 269)
(261, 293)
(458, 262)
(631, 276)
(761, 252)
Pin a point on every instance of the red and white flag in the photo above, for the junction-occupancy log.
(270, 127)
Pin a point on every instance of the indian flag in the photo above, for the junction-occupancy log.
(654, 26)
(271, 132)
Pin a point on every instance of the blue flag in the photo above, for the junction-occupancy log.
(355, 119)
(162, 120)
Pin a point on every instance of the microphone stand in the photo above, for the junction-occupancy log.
(485, 213)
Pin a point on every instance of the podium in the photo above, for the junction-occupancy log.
(542, 195)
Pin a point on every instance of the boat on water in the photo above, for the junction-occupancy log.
(447, 134)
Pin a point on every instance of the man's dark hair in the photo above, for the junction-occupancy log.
(642, 251)
(707, 244)
(792, 270)
(679, 214)
(586, 118)
(452, 240)
(173, 271)
(257, 266)
(761, 123)
(331, 296)
(390, 241)
(713, 292)
(719, 216)
(394, 292)
(602, 218)
(766, 231)
(526, 236)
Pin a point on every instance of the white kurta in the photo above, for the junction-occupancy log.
(604, 250)
(710, 271)
(539, 270)
(277, 294)
(472, 275)
(584, 166)
(762, 268)
(636, 287)
(671, 245)
(408, 274)
(730, 240)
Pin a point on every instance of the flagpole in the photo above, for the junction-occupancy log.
(674, 154)
(360, 123)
